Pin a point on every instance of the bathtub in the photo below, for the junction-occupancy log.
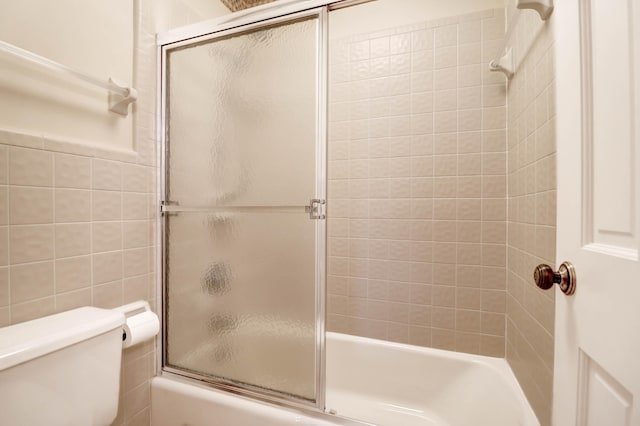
(392, 384)
(375, 382)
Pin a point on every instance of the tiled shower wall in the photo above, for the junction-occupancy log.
(532, 210)
(417, 185)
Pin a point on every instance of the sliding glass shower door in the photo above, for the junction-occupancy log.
(243, 207)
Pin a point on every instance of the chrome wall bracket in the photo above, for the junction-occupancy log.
(316, 209)
(165, 211)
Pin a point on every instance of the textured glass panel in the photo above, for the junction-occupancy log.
(242, 118)
(240, 283)
(241, 298)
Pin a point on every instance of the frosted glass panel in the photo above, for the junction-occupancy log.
(241, 298)
(242, 118)
(240, 167)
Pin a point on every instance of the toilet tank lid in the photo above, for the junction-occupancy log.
(28, 340)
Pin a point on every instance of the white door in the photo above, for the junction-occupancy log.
(597, 353)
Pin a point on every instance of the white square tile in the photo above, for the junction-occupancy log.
(402, 125)
(30, 243)
(400, 43)
(446, 122)
(423, 123)
(31, 281)
(136, 178)
(469, 32)
(4, 286)
(107, 267)
(361, 70)
(422, 102)
(469, 54)
(72, 240)
(106, 205)
(470, 97)
(379, 47)
(4, 165)
(72, 171)
(445, 79)
(446, 100)
(28, 205)
(136, 262)
(398, 105)
(400, 64)
(469, 75)
(359, 50)
(72, 273)
(30, 167)
(4, 245)
(422, 61)
(106, 174)
(446, 36)
(445, 57)
(72, 205)
(422, 40)
(106, 236)
(421, 81)
(470, 120)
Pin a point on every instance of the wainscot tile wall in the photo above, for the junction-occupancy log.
(417, 185)
(76, 229)
(532, 209)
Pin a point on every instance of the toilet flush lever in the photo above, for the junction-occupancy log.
(316, 209)
(545, 277)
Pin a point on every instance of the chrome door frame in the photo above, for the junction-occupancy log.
(267, 15)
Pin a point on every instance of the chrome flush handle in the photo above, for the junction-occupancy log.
(315, 209)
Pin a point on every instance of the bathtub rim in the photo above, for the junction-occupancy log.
(495, 363)
(166, 377)
(247, 392)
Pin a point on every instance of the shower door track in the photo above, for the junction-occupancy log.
(266, 15)
(251, 16)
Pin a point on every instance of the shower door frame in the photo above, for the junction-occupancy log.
(241, 22)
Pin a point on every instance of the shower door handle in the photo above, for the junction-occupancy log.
(316, 209)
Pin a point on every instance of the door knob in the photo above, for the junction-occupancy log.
(545, 277)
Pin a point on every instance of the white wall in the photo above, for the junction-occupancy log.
(95, 37)
(384, 14)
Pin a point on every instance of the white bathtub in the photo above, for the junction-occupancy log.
(377, 382)
(392, 384)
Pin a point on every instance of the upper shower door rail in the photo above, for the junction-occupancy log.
(120, 96)
(249, 16)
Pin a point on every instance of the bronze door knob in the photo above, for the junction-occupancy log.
(545, 277)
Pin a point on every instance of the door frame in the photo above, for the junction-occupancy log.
(234, 23)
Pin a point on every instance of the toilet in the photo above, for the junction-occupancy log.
(63, 369)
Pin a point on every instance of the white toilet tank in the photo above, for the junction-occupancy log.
(63, 369)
